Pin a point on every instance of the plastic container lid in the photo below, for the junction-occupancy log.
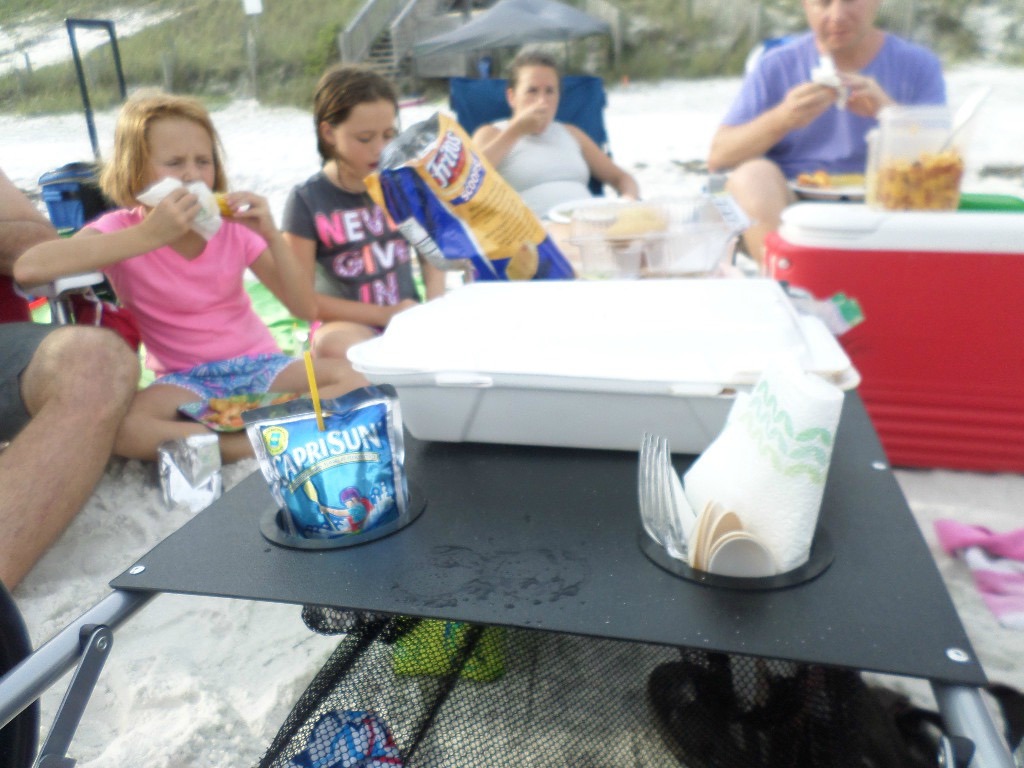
(852, 226)
(670, 336)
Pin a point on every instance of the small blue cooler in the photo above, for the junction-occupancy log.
(72, 196)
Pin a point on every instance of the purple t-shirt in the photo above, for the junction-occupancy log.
(909, 73)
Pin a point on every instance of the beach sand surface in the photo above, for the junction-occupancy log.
(198, 681)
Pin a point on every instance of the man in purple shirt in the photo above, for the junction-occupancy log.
(785, 122)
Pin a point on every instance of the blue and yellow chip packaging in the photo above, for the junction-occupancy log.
(342, 485)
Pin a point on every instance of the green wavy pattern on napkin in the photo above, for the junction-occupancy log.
(791, 452)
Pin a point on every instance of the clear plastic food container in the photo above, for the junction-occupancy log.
(915, 163)
(684, 237)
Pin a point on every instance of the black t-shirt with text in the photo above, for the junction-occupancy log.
(360, 253)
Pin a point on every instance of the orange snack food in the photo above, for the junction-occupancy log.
(824, 180)
(224, 205)
(929, 183)
(817, 179)
(227, 411)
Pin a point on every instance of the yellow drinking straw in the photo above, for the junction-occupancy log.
(313, 390)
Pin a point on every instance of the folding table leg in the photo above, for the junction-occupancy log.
(95, 651)
(964, 714)
(80, 642)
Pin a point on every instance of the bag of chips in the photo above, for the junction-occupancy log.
(452, 205)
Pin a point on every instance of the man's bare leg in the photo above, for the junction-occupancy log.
(77, 389)
(760, 189)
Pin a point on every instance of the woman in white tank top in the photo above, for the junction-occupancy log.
(547, 162)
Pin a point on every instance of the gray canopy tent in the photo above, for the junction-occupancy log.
(513, 23)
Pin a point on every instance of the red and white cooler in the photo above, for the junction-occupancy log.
(941, 349)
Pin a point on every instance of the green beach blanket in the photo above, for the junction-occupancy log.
(289, 332)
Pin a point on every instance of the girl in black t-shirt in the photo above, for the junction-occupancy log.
(361, 263)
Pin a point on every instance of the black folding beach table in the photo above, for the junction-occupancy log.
(566, 521)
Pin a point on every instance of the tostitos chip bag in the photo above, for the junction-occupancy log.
(452, 205)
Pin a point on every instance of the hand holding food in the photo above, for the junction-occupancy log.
(826, 74)
(172, 217)
(253, 211)
(805, 103)
(206, 221)
(531, 120)
(866, 97)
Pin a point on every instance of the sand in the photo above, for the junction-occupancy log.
(197, 681)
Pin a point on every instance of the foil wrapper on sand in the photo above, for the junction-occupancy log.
(452, 206)
(190, 471)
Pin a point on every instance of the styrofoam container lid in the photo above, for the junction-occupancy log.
(680, 337)
(853, 226)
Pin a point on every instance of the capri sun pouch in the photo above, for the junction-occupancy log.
(339, 486)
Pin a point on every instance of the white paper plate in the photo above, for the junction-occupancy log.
(852, 192)
(740, 556)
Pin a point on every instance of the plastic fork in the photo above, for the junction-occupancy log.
(649, 513)
(664, 510)
(675, 541)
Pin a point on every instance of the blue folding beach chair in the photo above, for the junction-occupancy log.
(583, 99)
(71, 193)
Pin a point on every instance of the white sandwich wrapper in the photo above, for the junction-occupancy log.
(591, 364)
(826, 74)
(207, 222)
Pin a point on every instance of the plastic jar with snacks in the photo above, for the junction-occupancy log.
(914, 161)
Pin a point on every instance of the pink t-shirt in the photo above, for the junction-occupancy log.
(190, 312)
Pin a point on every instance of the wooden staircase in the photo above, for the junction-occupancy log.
(383, 58)
(382, 34)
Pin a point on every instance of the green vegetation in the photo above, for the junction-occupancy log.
(203, 49)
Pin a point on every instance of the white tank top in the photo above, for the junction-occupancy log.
(546, 169)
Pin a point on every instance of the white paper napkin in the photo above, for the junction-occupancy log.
(770, 461)
(208, 222)
(826, 74)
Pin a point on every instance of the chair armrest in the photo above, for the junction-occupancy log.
(68, 283)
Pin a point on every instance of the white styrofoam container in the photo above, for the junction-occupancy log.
(591, 364)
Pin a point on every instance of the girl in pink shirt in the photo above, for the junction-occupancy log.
(203, 338)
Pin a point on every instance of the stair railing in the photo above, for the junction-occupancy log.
(356, 40)
(406, 28)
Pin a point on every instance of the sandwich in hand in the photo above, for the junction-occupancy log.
(826, 74)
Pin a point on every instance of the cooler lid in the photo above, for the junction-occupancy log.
(855, 226)
(695, 336)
